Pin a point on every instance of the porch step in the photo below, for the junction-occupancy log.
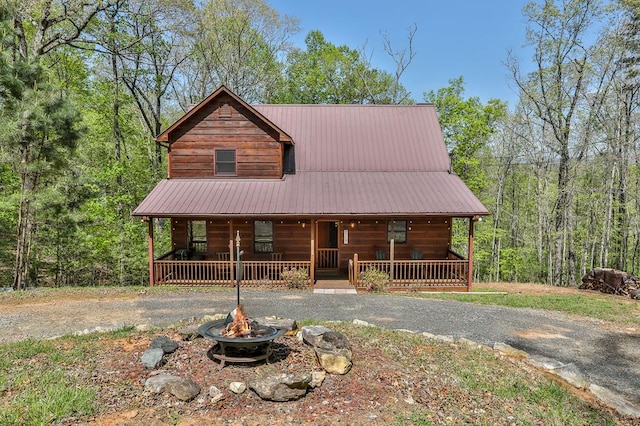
(333, 287)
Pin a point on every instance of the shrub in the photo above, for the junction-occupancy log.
(295, 277)
(374, 279)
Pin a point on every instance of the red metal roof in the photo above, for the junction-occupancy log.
(316, 193)
(350, 160)
(362, 137)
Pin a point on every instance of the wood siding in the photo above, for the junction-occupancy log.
(430, 236)
(225, 125)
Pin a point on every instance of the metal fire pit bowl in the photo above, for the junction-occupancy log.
(231, 348)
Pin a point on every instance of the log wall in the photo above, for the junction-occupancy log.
(430, 236)
(225, 125)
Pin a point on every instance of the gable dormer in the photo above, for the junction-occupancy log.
(224, 137)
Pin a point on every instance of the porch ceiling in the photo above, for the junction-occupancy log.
(316, 193)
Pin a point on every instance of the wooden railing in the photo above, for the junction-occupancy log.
(269, 272)
(204, 272)
(198, 246)
(327, 258)
(410, 274)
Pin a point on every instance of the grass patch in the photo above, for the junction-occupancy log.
(40, 382)
(595, 306)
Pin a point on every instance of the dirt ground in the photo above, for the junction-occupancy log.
(375, 392)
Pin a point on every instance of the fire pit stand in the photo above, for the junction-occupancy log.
(239, 349)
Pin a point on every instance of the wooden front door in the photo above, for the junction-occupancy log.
(327, 252)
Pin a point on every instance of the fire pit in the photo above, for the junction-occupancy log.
(240, 339)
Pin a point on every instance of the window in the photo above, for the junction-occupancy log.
(263, 236)
(226, 162)
(198, 236)
(397, 230)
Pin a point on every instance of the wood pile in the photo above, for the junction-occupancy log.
(611, 281)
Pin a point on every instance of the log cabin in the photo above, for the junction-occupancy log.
(330, 190)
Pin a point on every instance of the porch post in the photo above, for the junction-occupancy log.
(392, 257)
(312, 257)
(152, 278)
(355, 269)
(472, 221)
(232, 276)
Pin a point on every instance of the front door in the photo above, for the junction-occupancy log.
(327, 245)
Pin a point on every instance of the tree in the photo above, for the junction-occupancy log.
(40, 126)
(330, 74)
(238, 44)
(555, 89)
(467, 125)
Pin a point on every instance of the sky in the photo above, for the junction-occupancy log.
(468, 38)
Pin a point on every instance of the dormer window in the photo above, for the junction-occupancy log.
(225, 162)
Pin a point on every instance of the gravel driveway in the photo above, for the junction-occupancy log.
(608, 359)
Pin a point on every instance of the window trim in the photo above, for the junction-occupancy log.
(256, 249)
(392, 231)
(217, 163)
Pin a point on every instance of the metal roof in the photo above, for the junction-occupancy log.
(362, 137)
(315, 193)
(350, 160)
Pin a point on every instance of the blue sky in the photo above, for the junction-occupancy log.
(454, 38)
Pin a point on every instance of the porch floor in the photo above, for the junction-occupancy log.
(334, 287)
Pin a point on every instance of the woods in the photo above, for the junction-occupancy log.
(85, 86)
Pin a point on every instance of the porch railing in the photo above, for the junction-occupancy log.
(412, 274)
(327, 258)
(204, 272)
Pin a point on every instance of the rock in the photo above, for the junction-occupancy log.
(158, 383)
(183, 389)
(509, 350)
(332, 348)
(283, 387)
(466, 342)
(635, 294)
(167, 345)
(216, 317)
(572, 375)
(317, 378)
(280, 323)
(362, 323)
(313, 333)
(334, 362)
(152, 358)
(213, 391)
(237, 387)
(215, 394)
(444, 339)
(612, 399)
(189, 333)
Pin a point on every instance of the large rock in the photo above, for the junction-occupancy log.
(183, 389)
(332, 348)
(282, 387)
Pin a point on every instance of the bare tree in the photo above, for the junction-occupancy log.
(555, 89)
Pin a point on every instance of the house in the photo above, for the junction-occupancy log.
(330, 189)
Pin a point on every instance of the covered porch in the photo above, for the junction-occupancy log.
(343, 247)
